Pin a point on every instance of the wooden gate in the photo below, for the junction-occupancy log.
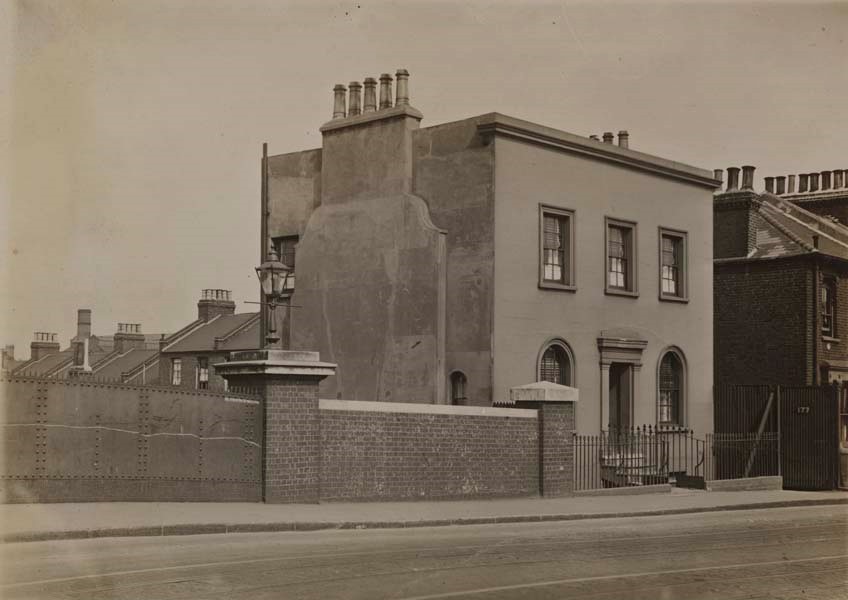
(807, 419)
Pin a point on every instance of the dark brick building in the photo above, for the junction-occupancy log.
(186, 358)
(781, 281)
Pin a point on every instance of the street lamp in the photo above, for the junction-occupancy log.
(273, 277)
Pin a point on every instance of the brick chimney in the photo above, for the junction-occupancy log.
(42, 344)
(83, 325)
(215, 302)
(733, 215)
(128, 336)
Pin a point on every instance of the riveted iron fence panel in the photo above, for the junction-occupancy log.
(809, 419)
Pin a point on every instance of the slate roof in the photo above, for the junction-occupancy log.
(123, 363)
(786, 229)
(46, 364)
(224, 332)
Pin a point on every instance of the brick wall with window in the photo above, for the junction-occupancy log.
(837, 339)
(191, 369)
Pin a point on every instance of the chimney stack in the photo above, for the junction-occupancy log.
(837, 179)
(781, 185)
(608, 137)
(402, 76)
(623, 139)
(748, 177)
(355, 103)
(215, 302)
(370, 100)
(770, 185)
(339, 111)
(825, 180)
(732, 179)
(83, 324)
(803, 180)
(128, 336)
(385, 91)
(42, 344)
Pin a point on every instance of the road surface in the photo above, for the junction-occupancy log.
(776, 553)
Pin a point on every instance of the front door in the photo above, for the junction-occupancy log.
(620, 395)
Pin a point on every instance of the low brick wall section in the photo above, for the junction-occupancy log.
(78, 441)
(393, 451)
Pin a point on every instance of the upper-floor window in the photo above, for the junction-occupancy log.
(202, 373)
(286, 247)
(556, 248)
(176, 371)
(458, 382)
(555, 364)
(828, 308)
(621, 257)
(673, 275)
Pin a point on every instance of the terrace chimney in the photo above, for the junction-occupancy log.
(215, 302)
(803, 180)
(370, 100)
(83, 324)
(339, 111)
(814, 182)
(732, 179)
(825, 180)
(385, 91)
(128, 336)
(608, 137)
(355, 104)
(748, 177)
(781, 185)
(42, 344)
(770, 185)
(623, 139)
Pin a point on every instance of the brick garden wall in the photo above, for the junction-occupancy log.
(392, 451)
(77, 441)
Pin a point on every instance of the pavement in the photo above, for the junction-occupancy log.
(36, 522)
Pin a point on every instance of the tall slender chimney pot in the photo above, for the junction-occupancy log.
(769, 184)
(402, 76)
(732, 179)
(608, 137)
(748, 177)
(781, 185)
(790, 188)
(355, 104)
(803, 181)
(718, 175)
(339, 111)
(837, 179)
(369, 102)
(825, 180)
(385, 91)
(814, 182)
(623, 139)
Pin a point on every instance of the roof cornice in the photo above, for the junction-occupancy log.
(498, 124)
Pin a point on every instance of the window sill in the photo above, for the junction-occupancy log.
(615, 292)
(552, 285)
(830, 340)
(668, 298)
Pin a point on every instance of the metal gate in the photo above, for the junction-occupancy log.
(807, 419)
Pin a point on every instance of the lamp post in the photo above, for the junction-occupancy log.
(273, 277)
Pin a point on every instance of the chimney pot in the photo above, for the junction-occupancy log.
(355, 103)
(402, 76)
(718, 175)
(369, 103)
(608, 137)
(825, 180)
(814, 182)
(770, 184)
(623, 139)
(385, 91)
(339, 111)
(732, 179)
(790, 189)
(803, 181)
(748, 177)
(837, 179)
(781, 185)
(214, 302)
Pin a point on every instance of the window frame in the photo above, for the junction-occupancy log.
(683, 269)
(568, 214)
(278, 242)
(632, 243)
(176, 371)
(202, 367)
(829, 284)
(569, 355)
(683, 395)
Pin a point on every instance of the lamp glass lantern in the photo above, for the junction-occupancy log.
(273, 276)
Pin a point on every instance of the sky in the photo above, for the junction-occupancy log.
(131, 132)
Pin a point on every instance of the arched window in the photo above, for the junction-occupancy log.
(457, 388)
(671, 383)
(555, 364)
(828, 308)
